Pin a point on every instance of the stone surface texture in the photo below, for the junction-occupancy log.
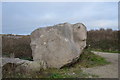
(58, 45)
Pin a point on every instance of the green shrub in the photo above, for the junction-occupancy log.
(56, 75)
(106, 40)
(89, 59)
(20, 47)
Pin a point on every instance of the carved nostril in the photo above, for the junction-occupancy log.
(79, 27)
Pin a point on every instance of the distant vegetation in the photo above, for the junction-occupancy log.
(18, 45)
(100, 40)
(105, 40)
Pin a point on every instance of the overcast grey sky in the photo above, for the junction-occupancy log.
(23, 18)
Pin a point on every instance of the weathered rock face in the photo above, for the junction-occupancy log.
(58, 45)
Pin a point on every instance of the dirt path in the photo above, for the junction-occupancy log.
(107, 71)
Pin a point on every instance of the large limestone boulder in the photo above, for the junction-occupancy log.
(58, 45)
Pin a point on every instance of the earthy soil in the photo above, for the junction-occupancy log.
(106, 71)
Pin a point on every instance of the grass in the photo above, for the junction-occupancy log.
(87, 59)
(27, 58)
(68, 73)
(51, 73)
(24, 58)
(109, 51)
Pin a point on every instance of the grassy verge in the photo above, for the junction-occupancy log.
(24, 58)
(87, 59)
(109, 51)
(73, 72)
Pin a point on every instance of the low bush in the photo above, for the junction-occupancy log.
(89, 59)
(18, 46)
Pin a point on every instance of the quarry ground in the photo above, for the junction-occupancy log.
(106, 71)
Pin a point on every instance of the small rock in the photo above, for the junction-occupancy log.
(41, 35)
(44, 43)
(90, 77)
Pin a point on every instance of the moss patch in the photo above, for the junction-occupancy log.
(89, 59)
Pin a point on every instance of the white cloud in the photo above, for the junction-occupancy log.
(49, 16)
(103, 24)
(93, 15)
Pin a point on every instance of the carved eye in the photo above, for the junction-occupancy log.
(83, 40)
(79, 27)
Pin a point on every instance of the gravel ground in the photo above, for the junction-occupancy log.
(106, 71)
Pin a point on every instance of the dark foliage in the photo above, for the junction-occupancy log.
(19, 45)
(104, 40)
